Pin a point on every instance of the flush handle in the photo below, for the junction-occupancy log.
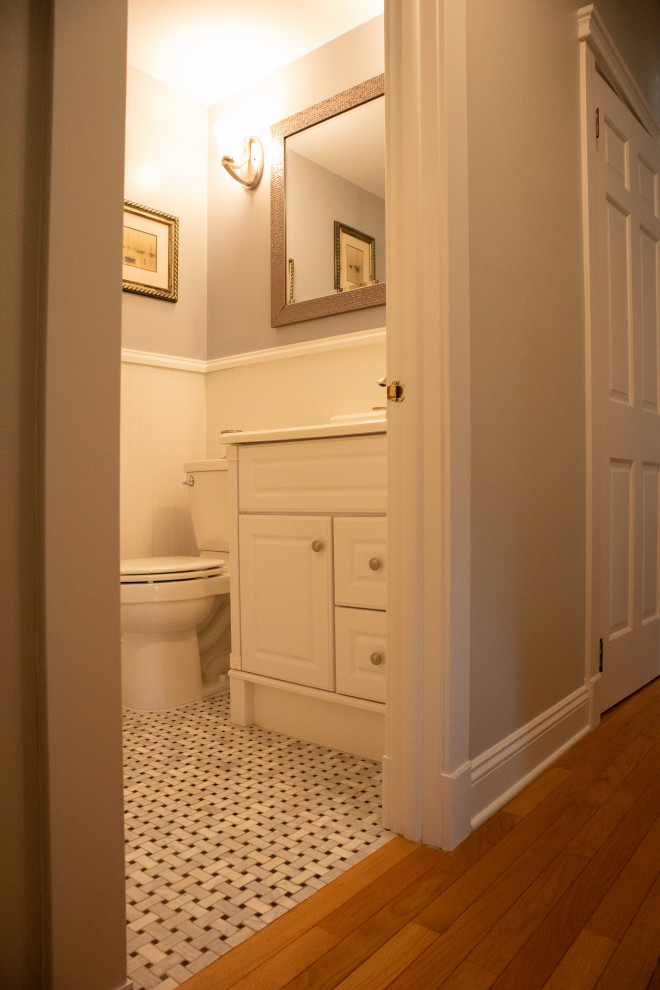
(317, 545)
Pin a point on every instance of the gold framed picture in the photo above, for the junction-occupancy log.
(151, 252)
(355, 258)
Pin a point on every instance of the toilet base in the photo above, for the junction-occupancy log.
(160, 671)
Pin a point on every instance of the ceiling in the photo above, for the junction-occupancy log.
(208, 49)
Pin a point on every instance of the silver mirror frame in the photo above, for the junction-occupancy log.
(283, 312)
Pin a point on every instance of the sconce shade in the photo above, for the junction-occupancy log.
(242, 157)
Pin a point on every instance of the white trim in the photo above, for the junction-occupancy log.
(346, 700)
(612, 65)
(508, 766)
(319, 346)
(428, 350)
(298, 350)
(163, 361)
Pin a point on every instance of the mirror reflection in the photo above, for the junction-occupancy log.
(328, 207)
(335, 203)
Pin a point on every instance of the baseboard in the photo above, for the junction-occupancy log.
(503, 770)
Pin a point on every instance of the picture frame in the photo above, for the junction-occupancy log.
(355, 258)
(150, 256)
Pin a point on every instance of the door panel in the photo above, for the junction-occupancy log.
(624, 224)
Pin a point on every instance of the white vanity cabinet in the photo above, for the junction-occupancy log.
(309, 591)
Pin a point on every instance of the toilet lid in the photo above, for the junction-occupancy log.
(152, 569)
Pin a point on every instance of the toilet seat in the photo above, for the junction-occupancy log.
(154, 570)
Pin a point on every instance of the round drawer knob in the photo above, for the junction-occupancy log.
(374, 564)
(316, 546)
(376, 659)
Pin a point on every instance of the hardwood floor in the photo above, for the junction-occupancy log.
(559, 890)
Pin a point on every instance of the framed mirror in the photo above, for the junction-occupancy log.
(328, 207)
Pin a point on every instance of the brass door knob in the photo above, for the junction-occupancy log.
(374, 564)
(376, 659)
(317, 546)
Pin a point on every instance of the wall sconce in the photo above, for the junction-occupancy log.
(242, 157)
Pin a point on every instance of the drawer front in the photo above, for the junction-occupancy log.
(341, 474)
(360, 653)
(361, 561)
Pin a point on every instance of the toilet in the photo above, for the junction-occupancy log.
(172, 606)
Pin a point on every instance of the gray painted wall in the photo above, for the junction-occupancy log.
(527, 360)
(239, 220)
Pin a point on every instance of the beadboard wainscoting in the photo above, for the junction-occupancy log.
(175, 410)
(294, 385)
(163, 412)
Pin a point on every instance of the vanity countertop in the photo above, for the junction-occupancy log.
(343, 428)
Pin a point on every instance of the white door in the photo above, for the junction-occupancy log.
(287, 609)
(624, 233)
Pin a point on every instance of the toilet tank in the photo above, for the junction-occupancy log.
(209, 504)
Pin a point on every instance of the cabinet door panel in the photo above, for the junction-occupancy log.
(360, 640)
(286, 598)
(361, 561)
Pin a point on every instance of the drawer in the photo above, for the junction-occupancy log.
(339, 474)
(360, 653)
(361, 561)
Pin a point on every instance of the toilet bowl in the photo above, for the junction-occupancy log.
(163, 601)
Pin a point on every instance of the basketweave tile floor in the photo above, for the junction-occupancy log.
(227, 828)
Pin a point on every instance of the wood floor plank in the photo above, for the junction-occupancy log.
(530, 797)
(502, 877)
(506, 937)
(636, 957)
(583, 963)
(469, 977)
(352, 913)
(329, 970)
(612, 916)
(379, 970)
(550, 817)
(283, 966)
(543, 951)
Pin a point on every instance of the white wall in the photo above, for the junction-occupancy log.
(527, 359)
(166, 156)
(239, 219)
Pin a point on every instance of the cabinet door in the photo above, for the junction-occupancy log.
(361, 561)
(285, 575)
(360, 639)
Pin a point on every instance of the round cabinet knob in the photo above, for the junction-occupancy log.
(190, 481)
(316, 546)
(374, 563)
(376, 659)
